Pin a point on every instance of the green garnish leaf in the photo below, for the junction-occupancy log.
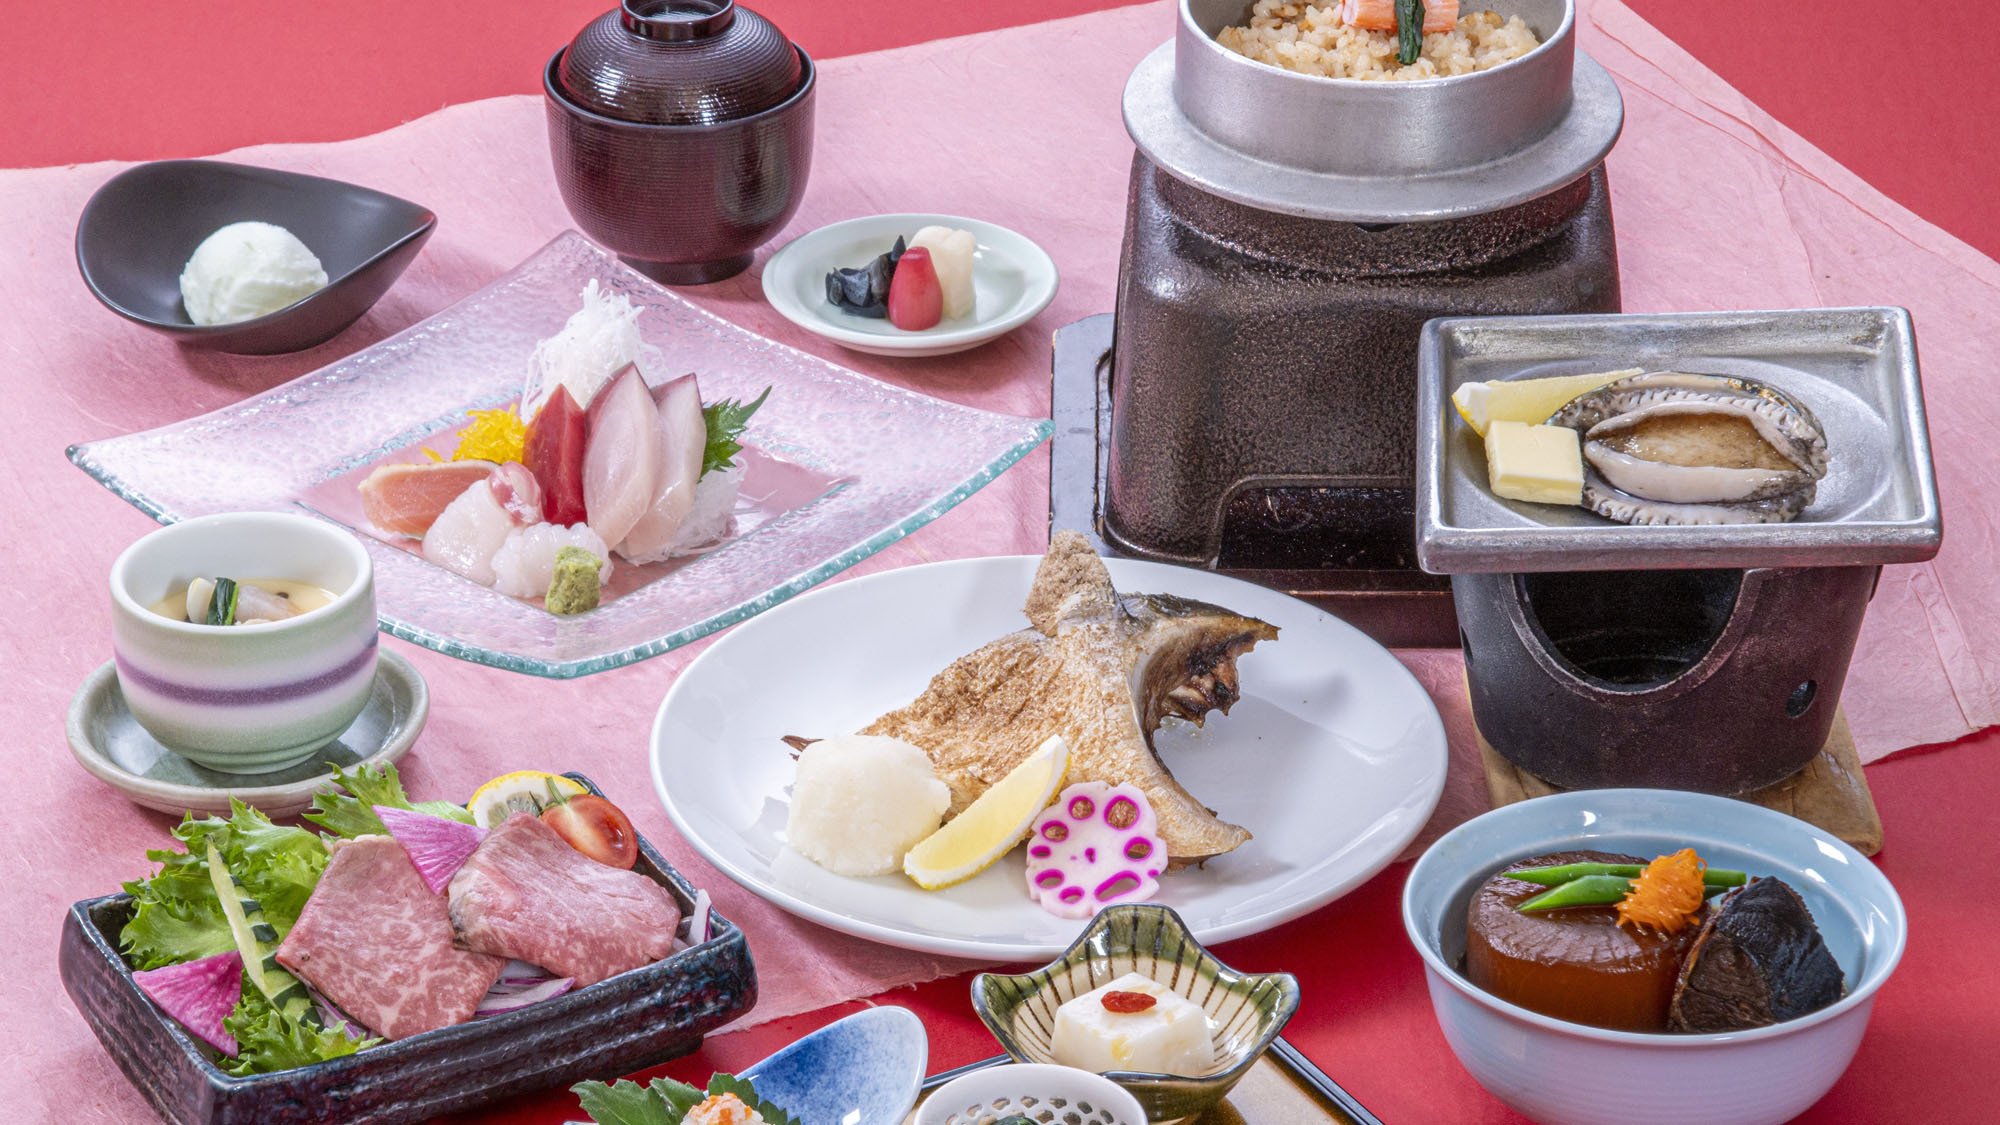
(353, 813)
(222, 603)
(666, 1102)
(726, 420)
(266, 1040)
(663, 1102)
(176, 916)
(1409, 30)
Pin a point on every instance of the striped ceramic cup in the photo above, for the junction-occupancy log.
(245, 698)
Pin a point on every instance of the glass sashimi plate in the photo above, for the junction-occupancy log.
(838, 465)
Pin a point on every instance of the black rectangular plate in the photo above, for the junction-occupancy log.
(632, 1021)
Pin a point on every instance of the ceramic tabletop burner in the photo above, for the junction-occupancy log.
(1708, 657)
(1286, 238)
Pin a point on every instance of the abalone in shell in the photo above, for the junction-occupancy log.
(1669, 447)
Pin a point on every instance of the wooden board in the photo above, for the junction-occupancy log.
(1831, 791)
(1284, 1088)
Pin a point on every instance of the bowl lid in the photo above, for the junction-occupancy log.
(679, 62)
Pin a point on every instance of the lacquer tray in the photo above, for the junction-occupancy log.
(839, 465)
(626, 1023)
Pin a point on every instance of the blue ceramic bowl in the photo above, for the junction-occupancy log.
(865, 1069)
(1566, 1073)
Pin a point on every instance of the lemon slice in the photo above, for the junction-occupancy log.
(991, 825)
(1525, 400)
(521, 791)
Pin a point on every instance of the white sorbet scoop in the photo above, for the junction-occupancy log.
(248, 270)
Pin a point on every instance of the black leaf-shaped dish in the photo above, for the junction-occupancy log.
(139, 229)
(629, 1022)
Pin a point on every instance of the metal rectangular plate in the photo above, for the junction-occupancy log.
(1284, 1088)
(1856, 369)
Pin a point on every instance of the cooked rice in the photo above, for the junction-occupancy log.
(1310, 39)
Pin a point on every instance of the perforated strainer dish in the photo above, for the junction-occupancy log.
(1044, 1094)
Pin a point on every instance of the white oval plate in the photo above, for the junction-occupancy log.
(1334, 757)
(1012, 280)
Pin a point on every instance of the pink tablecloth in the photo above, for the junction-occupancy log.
(1718, 207)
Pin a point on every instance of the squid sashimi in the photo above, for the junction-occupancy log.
(683, 435)
(557, 437)
(473, 528)
(1380, 15)
(525, 564)
(406, 499)
(622, 458)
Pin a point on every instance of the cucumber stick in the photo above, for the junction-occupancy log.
(257, 940)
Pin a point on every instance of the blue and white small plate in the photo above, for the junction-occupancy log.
(1012, 280)
(863, 1069)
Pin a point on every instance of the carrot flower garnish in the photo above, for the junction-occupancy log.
(1667, 895)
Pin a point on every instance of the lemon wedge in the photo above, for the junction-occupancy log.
(991, 825)
(1525, 400)
(521, 791)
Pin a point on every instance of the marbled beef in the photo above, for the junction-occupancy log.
(378, 943)
(526, 893)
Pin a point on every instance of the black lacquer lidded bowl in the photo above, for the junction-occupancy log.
(681, 134)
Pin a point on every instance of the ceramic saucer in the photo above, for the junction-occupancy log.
(1012, 280)
(108, 742)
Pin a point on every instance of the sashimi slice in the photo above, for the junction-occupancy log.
(407, 499)
(437, 847)
(556, 441)
(621, 459)
(198, 994)
(472, 529)
(517, 491)
(683, 434)
(525, 564)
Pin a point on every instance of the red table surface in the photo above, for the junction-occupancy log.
(1910, 107)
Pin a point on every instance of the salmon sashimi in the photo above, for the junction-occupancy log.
(1100, 668)
(407, 499)
(1380, 15)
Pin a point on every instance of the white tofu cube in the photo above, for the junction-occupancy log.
(1170, 1037)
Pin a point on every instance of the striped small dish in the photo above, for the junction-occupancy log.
(1245, 1011)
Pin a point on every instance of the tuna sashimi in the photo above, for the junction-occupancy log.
(682, 436)
(557, 438)
(526, 893)
(473, 528)
(378, 943)
(407, 499)
(622, 458)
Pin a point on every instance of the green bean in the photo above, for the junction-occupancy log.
(1591, 890)
(1556, 876)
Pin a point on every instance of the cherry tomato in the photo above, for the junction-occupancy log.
(595, 827)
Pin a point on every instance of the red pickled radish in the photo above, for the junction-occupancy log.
(556, 440)
(916, 298)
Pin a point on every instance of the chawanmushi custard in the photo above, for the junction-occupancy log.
(1617, 942)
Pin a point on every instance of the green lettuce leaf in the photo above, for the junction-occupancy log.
(726, 420)
(266, 1040)
(176, 917)
(730, 1084)
(352, 813)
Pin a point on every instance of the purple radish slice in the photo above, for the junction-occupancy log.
(621, 456)
(1097, 844)
(517, 973)
(683, 435)
(699, 918)
(436, 846)
(198, 994)
(512, 998)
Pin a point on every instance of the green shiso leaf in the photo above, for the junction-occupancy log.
(176, 916)
(726, 420)
(266, 1040)
(666, 1102)
(353, 814)
(730, 1084)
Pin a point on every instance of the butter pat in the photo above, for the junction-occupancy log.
(1539, 464)
(1170, 1037)
(1525, 400)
